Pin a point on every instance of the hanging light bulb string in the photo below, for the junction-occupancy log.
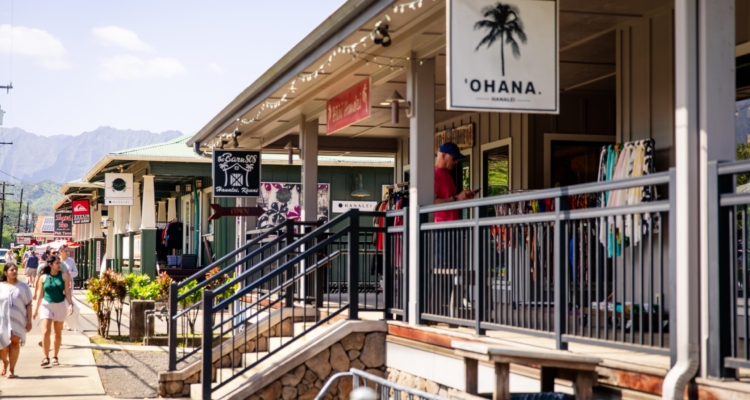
(344, 49)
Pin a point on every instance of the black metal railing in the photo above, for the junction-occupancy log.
(271, 312)
(396, 262)
(185, 306)
(729, 269)
(576, 275)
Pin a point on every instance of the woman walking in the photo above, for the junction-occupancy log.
(53, 303)
(15, 318)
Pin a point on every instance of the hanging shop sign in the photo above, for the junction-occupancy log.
(502, 56)
(63, 224)
(463, 137)
(219, 211)
(26, 240)
(236, 173)
(348, 107)
(118, 189)
(342, 206)
(98, 255)
(81, 212)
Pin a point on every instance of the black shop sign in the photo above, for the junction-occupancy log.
(63, 224)
(236, 173)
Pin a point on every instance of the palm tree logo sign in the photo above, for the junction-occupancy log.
(503, 23)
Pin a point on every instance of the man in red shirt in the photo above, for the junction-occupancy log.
(445, 189)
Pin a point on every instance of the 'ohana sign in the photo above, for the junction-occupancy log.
(236, 173)
(502, 56)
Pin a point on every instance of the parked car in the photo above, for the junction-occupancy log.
(2, 255)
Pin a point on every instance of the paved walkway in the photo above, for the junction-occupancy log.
(75, 378)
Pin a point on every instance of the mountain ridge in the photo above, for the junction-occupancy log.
(70, 156)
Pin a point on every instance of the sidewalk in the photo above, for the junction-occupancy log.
(75, 378)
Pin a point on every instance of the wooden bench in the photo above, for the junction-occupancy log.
(581, 370)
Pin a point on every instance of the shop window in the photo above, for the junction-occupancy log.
(575, 162)
(496, 167)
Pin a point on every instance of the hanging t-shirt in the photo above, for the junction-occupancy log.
(445, 188)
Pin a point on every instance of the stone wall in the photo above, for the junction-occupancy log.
(364, 351)
(180, 387)
(408, 380)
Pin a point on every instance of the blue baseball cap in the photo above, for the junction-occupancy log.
(451, 149)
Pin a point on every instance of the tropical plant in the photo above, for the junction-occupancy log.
(743, 153)
(188, 302)
(163, 281)
(104, 294)
(503, 22)
(226, 278)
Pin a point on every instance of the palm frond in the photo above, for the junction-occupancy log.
(515, 27)
(489, 39)
(513, 46)
(484, 24)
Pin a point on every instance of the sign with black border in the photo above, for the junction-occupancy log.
(503, 56)
(236, 173)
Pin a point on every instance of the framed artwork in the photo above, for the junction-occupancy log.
(281, 202)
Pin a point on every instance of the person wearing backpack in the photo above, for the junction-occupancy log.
(31, 263)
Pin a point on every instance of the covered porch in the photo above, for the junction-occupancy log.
(643, 283)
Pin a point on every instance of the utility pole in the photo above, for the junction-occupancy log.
(2, 212)
(20, 209)
(28, 217)
(2, 216)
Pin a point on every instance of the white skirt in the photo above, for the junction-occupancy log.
(54, 311)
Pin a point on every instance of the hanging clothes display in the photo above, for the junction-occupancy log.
(623, 161)
(393, 201)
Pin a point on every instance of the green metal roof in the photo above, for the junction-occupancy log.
(173, 148)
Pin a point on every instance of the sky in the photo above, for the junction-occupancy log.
(151, 65)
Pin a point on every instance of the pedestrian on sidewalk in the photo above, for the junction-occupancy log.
(10, 257)
(15, 318)
(53, 303)
(70, 263)
(31, 263)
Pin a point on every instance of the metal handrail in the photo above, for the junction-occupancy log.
(355, 373)
(585, 188)
(228, 256)
(314, 242)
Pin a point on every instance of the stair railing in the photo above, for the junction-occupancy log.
(187, 291)
(384, 388)
(266, 321)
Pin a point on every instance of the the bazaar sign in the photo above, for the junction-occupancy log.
(236, 173)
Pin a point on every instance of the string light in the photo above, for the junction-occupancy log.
(348, 49)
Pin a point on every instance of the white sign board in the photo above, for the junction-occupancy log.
(502, 56)
(118, 189)
(342, 206)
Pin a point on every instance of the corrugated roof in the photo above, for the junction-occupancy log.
(173, 148)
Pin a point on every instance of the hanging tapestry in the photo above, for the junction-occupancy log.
(281, 201)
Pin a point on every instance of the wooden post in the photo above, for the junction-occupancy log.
(502, 382)
(471, 375)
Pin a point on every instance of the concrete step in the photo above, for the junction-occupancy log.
(223, 374)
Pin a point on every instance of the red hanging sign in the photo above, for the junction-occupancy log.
(348, 107)
(81, 212)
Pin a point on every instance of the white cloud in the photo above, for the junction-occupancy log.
(132, 67)
(46, 50)
(215, 67)
(129, 40)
